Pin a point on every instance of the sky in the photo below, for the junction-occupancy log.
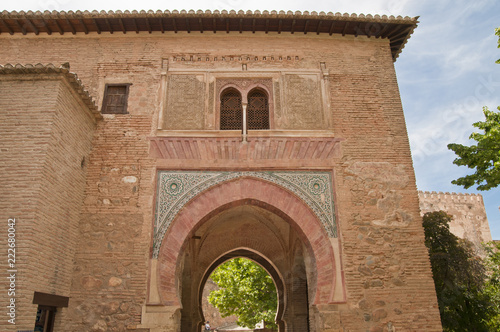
(446, 72)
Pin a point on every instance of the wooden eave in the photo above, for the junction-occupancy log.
(397, 29)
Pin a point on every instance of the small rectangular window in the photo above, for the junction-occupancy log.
(115, 99)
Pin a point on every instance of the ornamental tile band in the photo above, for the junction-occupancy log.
(177, 188)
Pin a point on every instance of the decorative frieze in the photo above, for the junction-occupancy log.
(197, 57)
(232, 148)
(176, 188)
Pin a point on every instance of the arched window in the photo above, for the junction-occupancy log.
(231, 112)
(258, 110)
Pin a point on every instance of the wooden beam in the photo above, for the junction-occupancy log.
(305, 27)
(49, 32)
(381, 32)
(109, 25)
(214, 22)
(11, 32)
(394, 32)
(356, 30)
(227, 25)
(32, 26)
(135, 25)
(175, 24)
(162, 28)
(368, 29)
(121, 25)
(293, 27)
(253, 26)
(50, 300)
(398, 39)
(280, 24)
(402, 33)
(267, 25)
(188, 28)
(73, 30)
(148, 25)
(345, 28)
(319, 27)
(331, 28)
(241, 25)
(85, 29)
(23, 29)
(96, 26)
(200, 21)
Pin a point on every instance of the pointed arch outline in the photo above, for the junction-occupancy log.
(176, 188)
(274, 198)
(263, 262)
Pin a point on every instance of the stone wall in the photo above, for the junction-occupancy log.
(468, 212)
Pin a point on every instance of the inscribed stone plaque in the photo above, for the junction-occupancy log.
(185, 103)
(303, 102)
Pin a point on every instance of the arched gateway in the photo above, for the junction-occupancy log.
(282, 220)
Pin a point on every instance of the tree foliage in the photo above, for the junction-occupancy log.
(247, 291)
(459, 277)
(484, 156)
(497, 32)
(492, 287)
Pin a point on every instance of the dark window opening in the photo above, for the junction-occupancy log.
(45, 319)
(258, 110)
(231, 112)
(47, 307)
(115, 99)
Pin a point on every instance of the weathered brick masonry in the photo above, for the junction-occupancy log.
(85, 189)
(46, 139)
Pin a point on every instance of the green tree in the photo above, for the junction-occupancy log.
(247, 291)
(484, 157)
(492, 287)
(497, 32)
(459, 277)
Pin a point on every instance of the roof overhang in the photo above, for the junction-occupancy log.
(396, 29)
(43, 70)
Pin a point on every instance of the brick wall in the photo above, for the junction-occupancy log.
(46, 132)
(387, 271)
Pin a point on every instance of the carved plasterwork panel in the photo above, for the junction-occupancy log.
(277, 105)
(244, 85)
(185, 102)
(176, 188)
(303, 102)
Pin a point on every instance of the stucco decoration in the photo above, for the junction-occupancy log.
(176, 188)
(185, 102)
(303, 99)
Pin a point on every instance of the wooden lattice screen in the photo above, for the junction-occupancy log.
(231, 112)
(115, 99)
(258, 110)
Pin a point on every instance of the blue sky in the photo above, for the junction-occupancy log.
(446, 72)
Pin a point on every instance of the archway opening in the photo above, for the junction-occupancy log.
(240, 294)
(262, 236)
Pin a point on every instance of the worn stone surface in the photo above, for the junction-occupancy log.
(468, 212)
